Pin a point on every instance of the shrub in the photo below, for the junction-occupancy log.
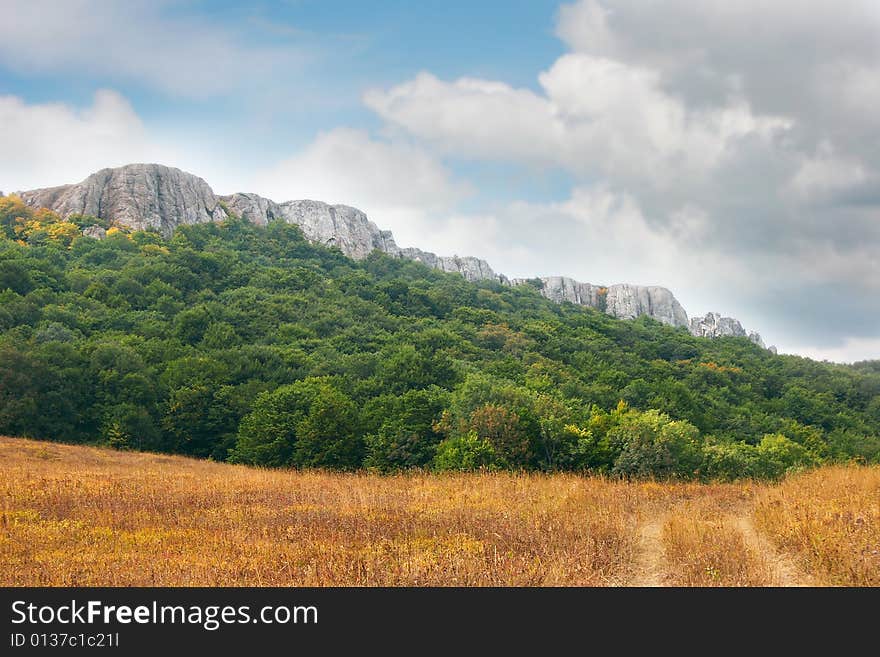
(779, 455)
(730, 461)
(468, 452)
(653, 445)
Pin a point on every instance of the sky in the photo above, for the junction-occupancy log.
(727, 151)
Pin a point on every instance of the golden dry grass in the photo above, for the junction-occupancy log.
(74, 515)
(830, 519)
(84, 516)
(703, 548)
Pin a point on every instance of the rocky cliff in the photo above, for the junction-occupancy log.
(140, 196)
(350, 230)
(623, 301)
(143, 196)
(713, 325)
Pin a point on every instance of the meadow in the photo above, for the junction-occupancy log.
(78, 516)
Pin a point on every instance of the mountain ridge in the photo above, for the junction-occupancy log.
(154, 196)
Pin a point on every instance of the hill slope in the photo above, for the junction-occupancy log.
(160, 198)
(252, 344)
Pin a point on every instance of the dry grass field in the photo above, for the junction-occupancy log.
(86, 516)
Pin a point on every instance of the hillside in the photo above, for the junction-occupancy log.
(160, 198)
(252, 344)
(79, 516)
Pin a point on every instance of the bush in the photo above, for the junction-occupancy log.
(468, 452)
(730, 461)
(653, 445)
(779, 455)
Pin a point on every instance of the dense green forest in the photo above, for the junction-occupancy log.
(252, 345)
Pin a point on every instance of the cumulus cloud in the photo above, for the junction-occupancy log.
(145, 41)
(730, 148)
(54, 143)
(400, 186)
(472, 117)
(48, 144)
(596, 115)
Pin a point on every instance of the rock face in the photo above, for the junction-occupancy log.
(253, 208)
(337, 225)
(473, 269)
(713, 325)
(349, 229)
(143, 196)
(755, 337)
(140, 196)
(631, 301)
(562, 288)
(331, 225)
(622, 300)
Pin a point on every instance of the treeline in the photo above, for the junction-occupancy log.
(251, 345)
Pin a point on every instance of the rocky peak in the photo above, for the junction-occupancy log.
(252, 207)
(140, 196)
(473, 269)
(631, 301)
(562, 288)
(622, 300)
(351, 230)
(713, 325)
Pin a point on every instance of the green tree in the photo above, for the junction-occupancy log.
(307, 423)
(462, 453)
(652, 445)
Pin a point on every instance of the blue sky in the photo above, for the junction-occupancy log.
(346, 48)
(725, 150)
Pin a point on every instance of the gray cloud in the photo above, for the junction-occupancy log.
(737, 141)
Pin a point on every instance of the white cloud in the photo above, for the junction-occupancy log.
(596, 115)
(53, 143)
(850, 351)
(50, 144)
(398, 185)
(472, 117)
(139, 40)
(821, 175)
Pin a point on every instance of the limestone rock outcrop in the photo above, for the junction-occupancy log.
(562, 288)
(631, 301)
(713, 325)
(252, 207)
(351, 230)
(473, 269)
(337, 225)
(755, 337)
(331, 225)
(140, 196)
(622, 300)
